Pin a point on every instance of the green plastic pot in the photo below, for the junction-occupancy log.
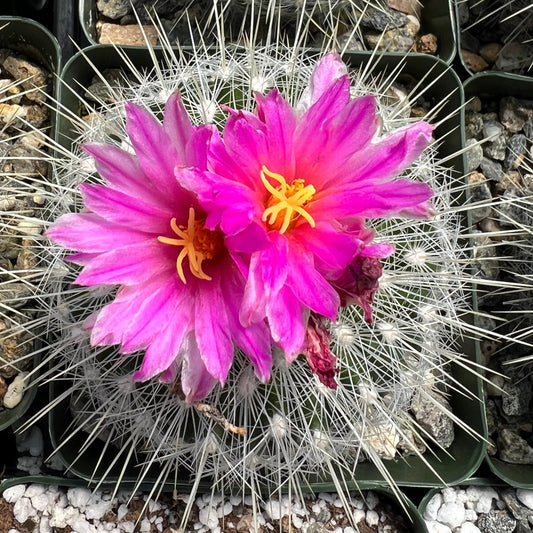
(457, 31)
(436, 18)
(497, 85)
(39, 45)
(451, 466)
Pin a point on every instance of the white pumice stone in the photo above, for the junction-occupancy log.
(473, 493)
(23, 509)
(44, 525)
(358, 515)
(470, 515)
(226, 509)
(297, 522)
(469, 527)
(372, 518)
(449, 495)
(14, 493)
(484, 504)
(15, 391)
(208, 517)
(127, 527)
(97, 510)
(451, 514)
(433, 506)
(122, 511)
(461, 496)
(32, 465)
(40, 502)
(437, 527)
(526, 497)
(371, 500)
(36, 490)
(273, 509)
(79, 497)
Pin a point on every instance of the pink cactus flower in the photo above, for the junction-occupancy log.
(293, 188)
(179, 290)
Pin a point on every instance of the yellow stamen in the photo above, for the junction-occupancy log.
(287, 202)
(198, 244)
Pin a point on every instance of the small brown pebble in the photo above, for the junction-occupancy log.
(31, 76)
(473, 61)
(476, 177)
(409, 7)
(3, 389)
(474, 104)
(129, 35)
(427, 44)
(489, 225)
(489, 52)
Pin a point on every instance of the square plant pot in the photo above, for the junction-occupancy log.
(436, 18)
(451, 466)
(507, 49)
(497, 96)
(30, 42)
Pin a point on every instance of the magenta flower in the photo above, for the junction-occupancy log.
(179, 289)
(293, 187)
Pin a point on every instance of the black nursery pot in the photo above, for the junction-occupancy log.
(437, 17)
(492, 86)
(38, 45)
(450, 466)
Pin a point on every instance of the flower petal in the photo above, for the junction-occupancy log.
(177, 125)
(328, 70)
(287, 319)
(280, 122)
(392, 154)
(379, 200)
(123, 173)
(326, 155)
(129, 265)
(124, 210)
(213, 335)
(154, 150)
(253, 340)
(87, 232)
(267, 275)
(243, 152)
(196, 381)
(311, 289)
(333, 248)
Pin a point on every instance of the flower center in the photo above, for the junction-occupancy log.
(198, 244)
(287, 202)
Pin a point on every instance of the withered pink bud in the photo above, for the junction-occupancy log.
(359, 283)
(318, 353)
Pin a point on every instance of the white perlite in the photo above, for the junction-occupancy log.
(457, 510)
(84, 511)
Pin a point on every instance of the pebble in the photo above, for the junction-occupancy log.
(526, 497)
(82, 511)
(473, 155)
(474, 61)
(15, 391)
(498, 511)
(127, 35)
(499, 31)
